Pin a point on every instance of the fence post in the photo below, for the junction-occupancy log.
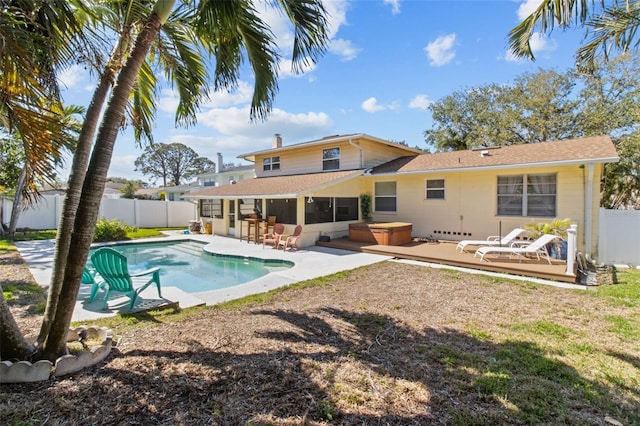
(572, 233)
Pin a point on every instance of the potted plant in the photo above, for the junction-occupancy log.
(559, 227)
(365, 206)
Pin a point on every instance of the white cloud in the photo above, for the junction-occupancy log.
(122, 166)
(344, 48)
(371, 105)
(540, 43)
(526, 8)
(235, 134)
(235, 121)
(71, 77)
(420, 102)
(441, 50)
(336, 16)
(286, 68)
(168, 101)
(395, 6)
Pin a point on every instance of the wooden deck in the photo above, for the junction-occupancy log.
(444, 252)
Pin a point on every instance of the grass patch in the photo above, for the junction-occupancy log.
(144, 233)
(124, 322)
(42, 234)
(625, 328)
(14, 291)
(7, 245)
(626, 292)
(544, 328)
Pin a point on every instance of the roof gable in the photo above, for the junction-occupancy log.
(328, 141)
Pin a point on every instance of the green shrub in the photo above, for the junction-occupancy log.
(112, 230)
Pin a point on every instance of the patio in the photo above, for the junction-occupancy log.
(444, 252)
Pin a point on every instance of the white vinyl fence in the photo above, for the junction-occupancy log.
(619, 237)
(140, 213)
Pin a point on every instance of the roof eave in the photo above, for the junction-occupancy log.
(603, 160)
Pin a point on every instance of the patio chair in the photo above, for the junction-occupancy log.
(493, 240)
(536, 248)
(273, 238)
(89, 277)
(112, 267)
(269, 224)
(291, 241)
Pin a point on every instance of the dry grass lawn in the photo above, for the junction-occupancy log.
(389, 344)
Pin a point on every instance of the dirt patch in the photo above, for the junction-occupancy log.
(386, 344)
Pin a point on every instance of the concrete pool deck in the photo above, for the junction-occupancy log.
(309, 262)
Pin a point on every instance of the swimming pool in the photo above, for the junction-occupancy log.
(185, 265)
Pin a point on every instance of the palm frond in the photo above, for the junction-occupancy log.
(616, 28)
(309, 19)
(545, 18)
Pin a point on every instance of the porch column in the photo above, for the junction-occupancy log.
(572, 233)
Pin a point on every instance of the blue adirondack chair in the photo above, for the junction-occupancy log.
(89, 277)
(112, 267)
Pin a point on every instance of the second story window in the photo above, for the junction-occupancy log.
(271, 163)
(331, 159)
(209, 182)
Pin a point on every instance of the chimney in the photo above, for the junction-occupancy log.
(219, 164)
(277, 141)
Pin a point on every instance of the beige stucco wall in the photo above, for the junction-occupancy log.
(309, 160)
(469, 210)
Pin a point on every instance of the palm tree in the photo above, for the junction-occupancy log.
(38, 37)
(610, 24)
(227, 30)
(174, 51)
(26, 191)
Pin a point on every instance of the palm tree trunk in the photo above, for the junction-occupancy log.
(12, 343)
(94, 182)
(76, 178)
(17, 200)
(72, 197)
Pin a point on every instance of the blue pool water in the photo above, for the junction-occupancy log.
(183, 264)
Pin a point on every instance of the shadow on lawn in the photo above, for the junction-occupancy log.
(337, 367)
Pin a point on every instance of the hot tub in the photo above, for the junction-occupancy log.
(385, 233)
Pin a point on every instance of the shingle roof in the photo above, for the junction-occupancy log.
(597, 149)
(325, 141)
(291, 186)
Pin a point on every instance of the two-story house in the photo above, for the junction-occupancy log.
(450, 195)
(221, 175)
(312, 183)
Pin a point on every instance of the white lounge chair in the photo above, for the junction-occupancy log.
(536, 248)
(493, 240)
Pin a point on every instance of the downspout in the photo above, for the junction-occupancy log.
(361, 152)
(589, 211)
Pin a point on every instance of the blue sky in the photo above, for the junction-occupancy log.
(387, 61)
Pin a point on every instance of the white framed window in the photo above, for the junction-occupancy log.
(271, 163)
(385, 198)
(435, 189)
(209, 182)
(527, 195)
(331, 159)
